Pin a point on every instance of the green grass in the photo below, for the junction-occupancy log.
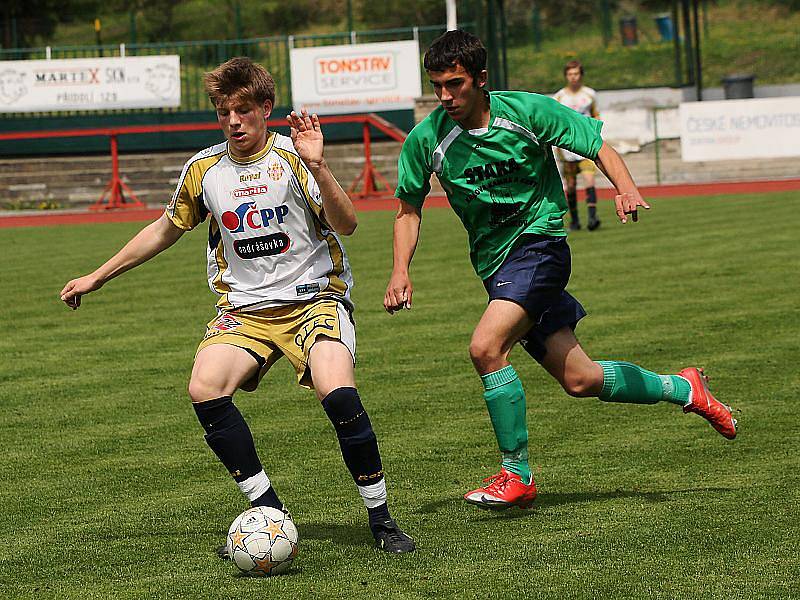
(108, 490)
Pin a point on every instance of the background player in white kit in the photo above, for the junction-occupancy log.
(583, 99)
(283, 280)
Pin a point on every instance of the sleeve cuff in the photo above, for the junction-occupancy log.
(412, 199)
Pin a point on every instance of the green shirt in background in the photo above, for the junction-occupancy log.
(502, 181)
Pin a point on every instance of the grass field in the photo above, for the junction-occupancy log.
(108, 490)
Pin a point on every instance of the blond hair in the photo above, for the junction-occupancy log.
(239, 79)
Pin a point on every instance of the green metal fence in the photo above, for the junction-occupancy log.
(201, 56)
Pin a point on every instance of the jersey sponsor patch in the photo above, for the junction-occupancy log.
(245, 177)
(266, 245)
(254, 190)
(308, 288)
(489, 170)
(249, 216)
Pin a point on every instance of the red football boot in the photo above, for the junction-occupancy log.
(505, 490)
(704, 404)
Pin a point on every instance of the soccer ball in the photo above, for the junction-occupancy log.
(262, 541)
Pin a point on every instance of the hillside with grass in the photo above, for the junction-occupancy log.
(738, 37)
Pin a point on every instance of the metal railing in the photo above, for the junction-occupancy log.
(117, 194)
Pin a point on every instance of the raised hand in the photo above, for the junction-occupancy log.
(306, 137)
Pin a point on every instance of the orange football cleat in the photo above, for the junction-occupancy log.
(704, 404)
(505, 490)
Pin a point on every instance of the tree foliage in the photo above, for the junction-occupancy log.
(34, 21)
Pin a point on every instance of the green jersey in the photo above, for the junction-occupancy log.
(502, 181)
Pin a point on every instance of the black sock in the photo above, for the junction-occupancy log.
(269, 498)
(356, 437)
(379, 514)
(591, 203)
(572, 203)
(228, 435)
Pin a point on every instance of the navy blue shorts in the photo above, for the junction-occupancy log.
(534, 276)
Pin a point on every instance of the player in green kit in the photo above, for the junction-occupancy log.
(492, 153)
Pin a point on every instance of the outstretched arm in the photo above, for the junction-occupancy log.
(628, 198)
(308, 141)
(151, 240)
(406, 234)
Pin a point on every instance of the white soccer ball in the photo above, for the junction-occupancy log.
(262, 541)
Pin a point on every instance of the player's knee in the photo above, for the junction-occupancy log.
(201, 389)
(580, 384)
(484, 354)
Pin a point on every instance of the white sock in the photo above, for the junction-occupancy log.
(373, 495)
(253, 487)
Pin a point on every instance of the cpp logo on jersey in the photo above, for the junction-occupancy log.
(249, 216)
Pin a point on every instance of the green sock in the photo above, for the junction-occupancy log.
(505, 400)
(626, 382)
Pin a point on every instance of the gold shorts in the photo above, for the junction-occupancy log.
(572, 168)
(287, 331)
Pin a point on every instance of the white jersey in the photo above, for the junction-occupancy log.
(583, 101)
(268, 241)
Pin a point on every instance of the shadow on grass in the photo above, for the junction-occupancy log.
(340, 534)
(552, 499)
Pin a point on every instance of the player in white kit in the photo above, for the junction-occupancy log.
(582, 99)
(275, 212)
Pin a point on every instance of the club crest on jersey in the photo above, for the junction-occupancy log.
(249, 216)
(275, 170)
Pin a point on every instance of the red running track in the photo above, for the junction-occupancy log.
(150, 214)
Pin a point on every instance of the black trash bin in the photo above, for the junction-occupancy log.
(629, 31)
(738, 86)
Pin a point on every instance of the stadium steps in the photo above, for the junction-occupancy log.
(78, 181)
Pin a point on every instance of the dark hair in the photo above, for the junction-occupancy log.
(573, 64)
(239, 79)
(457, 46)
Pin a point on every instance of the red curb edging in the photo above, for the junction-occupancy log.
(710, 189)
(389, 203)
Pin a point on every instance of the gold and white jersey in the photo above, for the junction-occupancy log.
(268, 241)
(583, 101)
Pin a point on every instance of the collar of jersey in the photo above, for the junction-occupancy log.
(258, 155)
(480, 132)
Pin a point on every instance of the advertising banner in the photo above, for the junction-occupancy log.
(740, 129)
(356, 78)
(90, 83)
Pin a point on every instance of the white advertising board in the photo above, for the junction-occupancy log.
(356, 78)
(90, 83)
(740, 129)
